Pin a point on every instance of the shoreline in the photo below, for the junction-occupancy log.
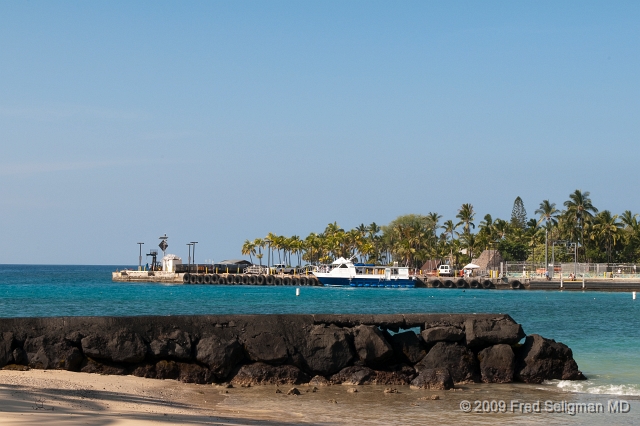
(55, 396)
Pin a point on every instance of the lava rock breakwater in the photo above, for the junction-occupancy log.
(292, 349)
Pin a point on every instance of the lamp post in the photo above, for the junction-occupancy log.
(140, 258)
(194, 254)
(575, 259)
(553, 258)
(546, 251)
(189, 258)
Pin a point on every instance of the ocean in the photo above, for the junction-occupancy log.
(602, 329)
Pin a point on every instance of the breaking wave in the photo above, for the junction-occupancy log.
(590, 387)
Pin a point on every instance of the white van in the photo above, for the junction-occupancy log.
(445, 271)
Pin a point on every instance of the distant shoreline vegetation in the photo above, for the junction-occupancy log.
(410, 240)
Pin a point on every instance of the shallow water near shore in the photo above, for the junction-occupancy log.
(603, 329)
(504, 404)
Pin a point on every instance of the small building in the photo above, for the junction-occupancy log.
(232, 266)
(236, 262)
(170, 261)
(431, 266)
(488, 260)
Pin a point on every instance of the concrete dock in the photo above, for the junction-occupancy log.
(147, 276)
(214, 279)
(518, 283)
(507, 283)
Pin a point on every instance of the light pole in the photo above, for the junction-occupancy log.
(194, 254)
(140, 258)
(546, 251)
(189, 258)
(553, 255)
(575, 259)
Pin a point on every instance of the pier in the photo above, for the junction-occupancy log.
(215, 279)
(473, 283)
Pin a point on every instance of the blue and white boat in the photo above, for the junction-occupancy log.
(344, 273)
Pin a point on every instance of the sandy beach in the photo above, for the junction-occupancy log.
(47, 397)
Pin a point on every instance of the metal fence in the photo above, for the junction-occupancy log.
(588, 270)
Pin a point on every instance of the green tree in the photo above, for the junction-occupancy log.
(259, 244)
(518, 214)
(449, 228)
(249, 248)
(607, 227)
(580, 209)
(466, 215)
(548, 213)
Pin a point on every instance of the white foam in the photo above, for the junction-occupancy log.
(589, 386)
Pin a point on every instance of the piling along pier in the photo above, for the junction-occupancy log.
(520, 283)
(421, 281)
(216, 279)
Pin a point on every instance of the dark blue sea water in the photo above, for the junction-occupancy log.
(603, 329)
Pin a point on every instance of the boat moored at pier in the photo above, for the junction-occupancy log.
(344, 273)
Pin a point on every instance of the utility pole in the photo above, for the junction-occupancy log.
(575, 260)
(194, 254)
(546, 250)
(140, 258)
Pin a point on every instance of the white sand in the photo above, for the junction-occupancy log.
(53, 397)
(41, 397)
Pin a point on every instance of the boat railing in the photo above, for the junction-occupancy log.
(306, 270)
(256, 269)
(324, 268)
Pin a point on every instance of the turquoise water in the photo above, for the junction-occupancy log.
(603, 329)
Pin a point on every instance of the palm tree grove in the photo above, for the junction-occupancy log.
(576, 228)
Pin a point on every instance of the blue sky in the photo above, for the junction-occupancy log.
(222, 121)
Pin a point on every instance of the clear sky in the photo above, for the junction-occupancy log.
(222, 121)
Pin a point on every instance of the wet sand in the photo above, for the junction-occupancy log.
(61, 397)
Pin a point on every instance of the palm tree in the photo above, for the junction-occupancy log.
(548, 213)
(501, 228)
(259, 244)
(249, 248)
(580, 209)
(450, 229)
(629, 219)
(313, 245)
(466, 215)
(469, 240)
(295, 245)
(532, 232)
(373, 231)
(486, 227)
(434, 218)
(362, 230)
(607, 226)
(333, 228)
(271, 241)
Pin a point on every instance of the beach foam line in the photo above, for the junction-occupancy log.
(597, 389)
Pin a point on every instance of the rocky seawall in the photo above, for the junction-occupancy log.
(292, 349)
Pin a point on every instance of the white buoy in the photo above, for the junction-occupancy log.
(560, 280)
(634, 295)
(297, 292)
